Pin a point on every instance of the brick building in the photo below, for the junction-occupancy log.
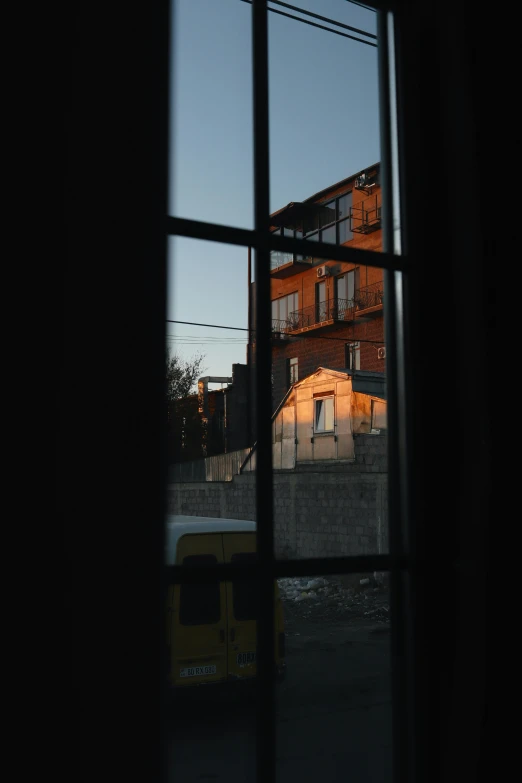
(324, 312)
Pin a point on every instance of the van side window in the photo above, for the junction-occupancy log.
(199, 604)
(244, 593)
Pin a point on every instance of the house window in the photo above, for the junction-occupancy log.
(292, 371)
(324, 414)
(352, 356)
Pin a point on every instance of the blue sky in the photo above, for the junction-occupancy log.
(324, 126)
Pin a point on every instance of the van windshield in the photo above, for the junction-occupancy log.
(199, 604)
(244, 593)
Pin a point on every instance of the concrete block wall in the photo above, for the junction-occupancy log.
(320, 510)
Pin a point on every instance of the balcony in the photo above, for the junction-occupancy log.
(369, 301)
(366, 305)
(366, 216)
(284, 265)
(323, 315)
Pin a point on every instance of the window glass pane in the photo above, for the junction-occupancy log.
(293, 370)
(208, 367)
(319, 415)
(353, 362)
(345, 233)
(343, 307)
(343, 205)
(199, 603)
(329, 414)
(351, 278)
(211, 128)
(328, 234)
(337, 687)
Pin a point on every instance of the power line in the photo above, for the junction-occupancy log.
(211, 326)
(320, 26)
(362, 5)
(324, 19)
(195, 338)
(297, 336)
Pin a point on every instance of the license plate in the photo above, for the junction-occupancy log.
(197, 671)
(245, 658)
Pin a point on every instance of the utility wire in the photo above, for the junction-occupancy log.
(297, 336)
(362, 5)
(320, 26)
(324, 19)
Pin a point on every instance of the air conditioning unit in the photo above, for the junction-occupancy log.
(381, 353)
(322, 271)
(366, 181)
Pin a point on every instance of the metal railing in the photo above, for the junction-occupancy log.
(369, 296)
(366, 216)
(333, 309)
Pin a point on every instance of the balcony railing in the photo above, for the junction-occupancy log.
(314, 315)
(279, 258)
(332, 310)
(365, 217)
(369, 296)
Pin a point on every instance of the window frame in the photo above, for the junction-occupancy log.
(322, 399)
(398, 563)
(352, 349)
(292, 362)
(288, 312)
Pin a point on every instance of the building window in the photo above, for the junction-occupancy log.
(331, 224)
(346, 287)
(324, 414)
(283, 307)
(292, 370)
(277, 257)
(321, 302)
(352, 356)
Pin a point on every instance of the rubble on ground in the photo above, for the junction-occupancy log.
(327, 599)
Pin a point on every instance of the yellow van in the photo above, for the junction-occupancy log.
(211, 628)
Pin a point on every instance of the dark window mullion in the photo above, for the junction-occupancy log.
(266, 733)
(316, 566)
(401, 582)
(214, 232)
